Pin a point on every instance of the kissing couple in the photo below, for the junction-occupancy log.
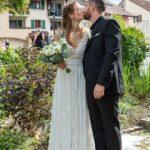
(85, 101)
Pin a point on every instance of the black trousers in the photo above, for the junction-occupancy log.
(104, 120)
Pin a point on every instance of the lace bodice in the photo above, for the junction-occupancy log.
(76, 54)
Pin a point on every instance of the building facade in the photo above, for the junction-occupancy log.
(112, 9)
(140, 8)
(43, 14)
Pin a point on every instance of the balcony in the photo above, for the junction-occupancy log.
(23, 14)
(57, 14)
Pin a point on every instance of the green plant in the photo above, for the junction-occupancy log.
(14, 6)
(126, 78)
(141, 84)
(9, 56)
(137, 85)
(127, 104)
(25, 87)
(12, 140)
(2, 111)
(134, 46)
(120, 21)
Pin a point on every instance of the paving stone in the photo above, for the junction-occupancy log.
(145, 122)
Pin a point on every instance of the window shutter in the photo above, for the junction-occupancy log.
(31, 5)
(32, 24)
(42, 4)
(43, 24)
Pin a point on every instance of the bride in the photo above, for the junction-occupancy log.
(70, 124)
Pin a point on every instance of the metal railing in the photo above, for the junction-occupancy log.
(56, 13)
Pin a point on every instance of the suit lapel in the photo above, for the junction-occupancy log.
(97, 26)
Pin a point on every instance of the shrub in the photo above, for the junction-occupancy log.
(141, 85)
(127, 104)
(26, 87)
(13, 140)
(134, 46)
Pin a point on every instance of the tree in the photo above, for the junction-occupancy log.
(14, 6)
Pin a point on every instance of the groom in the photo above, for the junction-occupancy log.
(103, 73)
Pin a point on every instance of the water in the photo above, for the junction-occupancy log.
(129, 142)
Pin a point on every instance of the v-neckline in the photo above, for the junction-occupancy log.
(78, 44)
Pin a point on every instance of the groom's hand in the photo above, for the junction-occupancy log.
(99, 91)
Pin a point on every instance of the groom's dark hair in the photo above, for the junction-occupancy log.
(100, 5)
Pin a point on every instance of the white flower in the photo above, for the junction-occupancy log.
(88, 32)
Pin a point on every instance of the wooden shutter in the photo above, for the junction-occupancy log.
(32, 24)
(43, 24)
(42, 4)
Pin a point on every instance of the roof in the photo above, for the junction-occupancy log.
(115, 9)
(111, 8)
(108, 2)
(142, 3)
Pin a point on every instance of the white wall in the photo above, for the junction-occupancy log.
(17, 37)
(37, 14)
(137, 10)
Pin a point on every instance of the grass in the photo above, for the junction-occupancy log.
(134, 83)
(142, 85)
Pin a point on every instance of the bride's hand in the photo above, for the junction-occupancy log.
(62, 65)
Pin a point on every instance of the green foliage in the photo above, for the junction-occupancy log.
(129, 110)
(13, 140)
(141, 85)
(14, 6)
(134, 46)
(137, 85)
(127, 104)
(25, 86)
(120, 21)
(9, 56)
(2, 111)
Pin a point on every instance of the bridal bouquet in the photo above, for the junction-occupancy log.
(56, 53)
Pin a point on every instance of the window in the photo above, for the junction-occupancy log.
(37, 4)
(55, 9)
(138, 19)
(14, 24)
(56, 26)
(38, 24)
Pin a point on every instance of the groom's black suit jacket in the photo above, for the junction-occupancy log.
(102, 60)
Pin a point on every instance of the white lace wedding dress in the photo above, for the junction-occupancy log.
(70, 124)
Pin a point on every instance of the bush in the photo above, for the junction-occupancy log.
(134, 46)
(139, 85)
(13, 140)
(127, 104)
(25, 87)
